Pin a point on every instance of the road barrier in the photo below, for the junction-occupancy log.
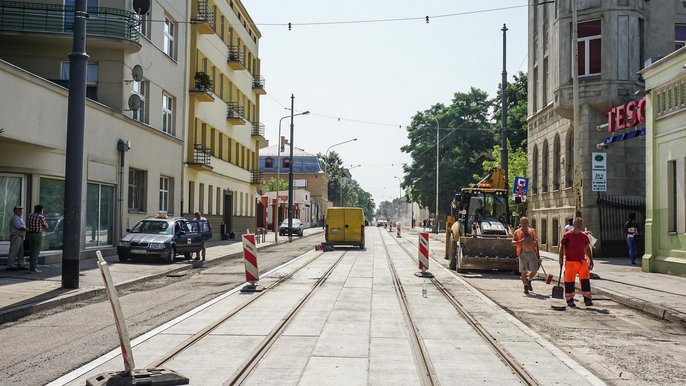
(252, 274)
(423, 256)
(397, 230)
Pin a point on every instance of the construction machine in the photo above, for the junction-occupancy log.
(481, 236)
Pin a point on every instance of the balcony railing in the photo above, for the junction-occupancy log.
(236, 58)
(202, 155)
(59, 19)
(257, 129)
(258, 81)
(204, 17)
(234, 111)
(255, 177)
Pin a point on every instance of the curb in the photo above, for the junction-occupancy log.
(15, 313)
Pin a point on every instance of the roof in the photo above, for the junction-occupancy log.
(273, 151)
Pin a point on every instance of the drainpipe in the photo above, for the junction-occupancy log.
(122, 146)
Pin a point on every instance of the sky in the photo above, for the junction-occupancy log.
(367, 80)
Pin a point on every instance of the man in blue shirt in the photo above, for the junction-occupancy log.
(17, 235)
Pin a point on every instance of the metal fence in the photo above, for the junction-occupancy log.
(614, 212)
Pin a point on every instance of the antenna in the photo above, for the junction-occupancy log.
(141, 7)
(134, 102)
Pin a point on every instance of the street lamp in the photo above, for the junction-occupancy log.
(326, 154)
(278, 175)
(438, 140)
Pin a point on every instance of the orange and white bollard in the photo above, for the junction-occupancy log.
(397, 230)
(252, 274)
(423, 256)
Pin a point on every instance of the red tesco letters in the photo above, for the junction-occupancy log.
(626, 115)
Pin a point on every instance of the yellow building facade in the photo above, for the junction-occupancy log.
(225, 133)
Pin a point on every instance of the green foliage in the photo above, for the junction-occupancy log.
(516, 164)
(516, 110)
(466, 139)
(270, 185)
(343, 189)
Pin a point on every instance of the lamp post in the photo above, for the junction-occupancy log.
(278, 173)
(438, 141)
(400, 193)
(326, 154)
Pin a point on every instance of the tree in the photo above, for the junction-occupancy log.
(343, 189)
(516, 110)
(270, 185)
(466, 140)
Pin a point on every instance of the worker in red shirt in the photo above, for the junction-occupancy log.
(574, 248)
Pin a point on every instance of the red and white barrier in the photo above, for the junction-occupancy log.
(423, 256)
(252, 274)
(397, 230)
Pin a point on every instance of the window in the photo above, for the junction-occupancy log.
(534, 95)
(169, 35)
(589, 45)
(679, 36)
(12, 192)
(286, 163)
(166, 194)
(671, 196)
(137, 195)
(676, 196)
(141, 89)
(269, 162)
(544, 167)
(143, 25)
(99, 215)
(544, 86)
(167, 114)
(569, 159)
(556, 232)
(91, 78)
(556, 163)
(544, 231)
(534, 179)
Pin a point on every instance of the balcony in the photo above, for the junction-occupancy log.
(203, 17)
(255, 177)
(58, 20)
(257, 130)
(236, 58)
(202, 156)
(235, 113)
(258, 84)
(203, 88)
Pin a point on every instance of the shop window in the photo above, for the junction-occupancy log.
(99, 215)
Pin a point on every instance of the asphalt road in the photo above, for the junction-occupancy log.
(44, 346)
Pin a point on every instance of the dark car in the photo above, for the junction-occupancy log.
(296, 228)
(162, 238)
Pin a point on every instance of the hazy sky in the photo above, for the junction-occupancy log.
(379, 73)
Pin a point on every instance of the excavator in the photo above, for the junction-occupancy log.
(481, 236)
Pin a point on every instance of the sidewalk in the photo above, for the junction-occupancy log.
(22, 294)
(663, 296)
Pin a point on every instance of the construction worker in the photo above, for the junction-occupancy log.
(527, 252)
(574, 248)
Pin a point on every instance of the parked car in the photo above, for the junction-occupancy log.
(344, 226)
(296, 228)
(162, 237)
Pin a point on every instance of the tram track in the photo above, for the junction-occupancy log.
(503, 354)
(427, 374)
(242, 372)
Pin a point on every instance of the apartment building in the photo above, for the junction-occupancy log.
(225, 133)
(615, 39)
(135, 112)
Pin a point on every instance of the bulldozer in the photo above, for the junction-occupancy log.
(481, 236)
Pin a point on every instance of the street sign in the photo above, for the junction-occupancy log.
(520, 188)
(599, 172)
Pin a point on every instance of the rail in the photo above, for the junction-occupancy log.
(257, 129)
(234, 111)
(59, 19)
(236, 55)
(258, 81)
(201, 154)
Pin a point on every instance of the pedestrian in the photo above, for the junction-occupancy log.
(570, 225)
(632, 235)
(15, 258)
(575, 247)
(35, 225)
(199, 217)
(527, 252)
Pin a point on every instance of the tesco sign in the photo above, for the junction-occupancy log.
(626, 115)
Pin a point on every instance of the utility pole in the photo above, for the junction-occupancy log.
(503, 111)
(290, 179)
(576, 120)
(73, 181)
